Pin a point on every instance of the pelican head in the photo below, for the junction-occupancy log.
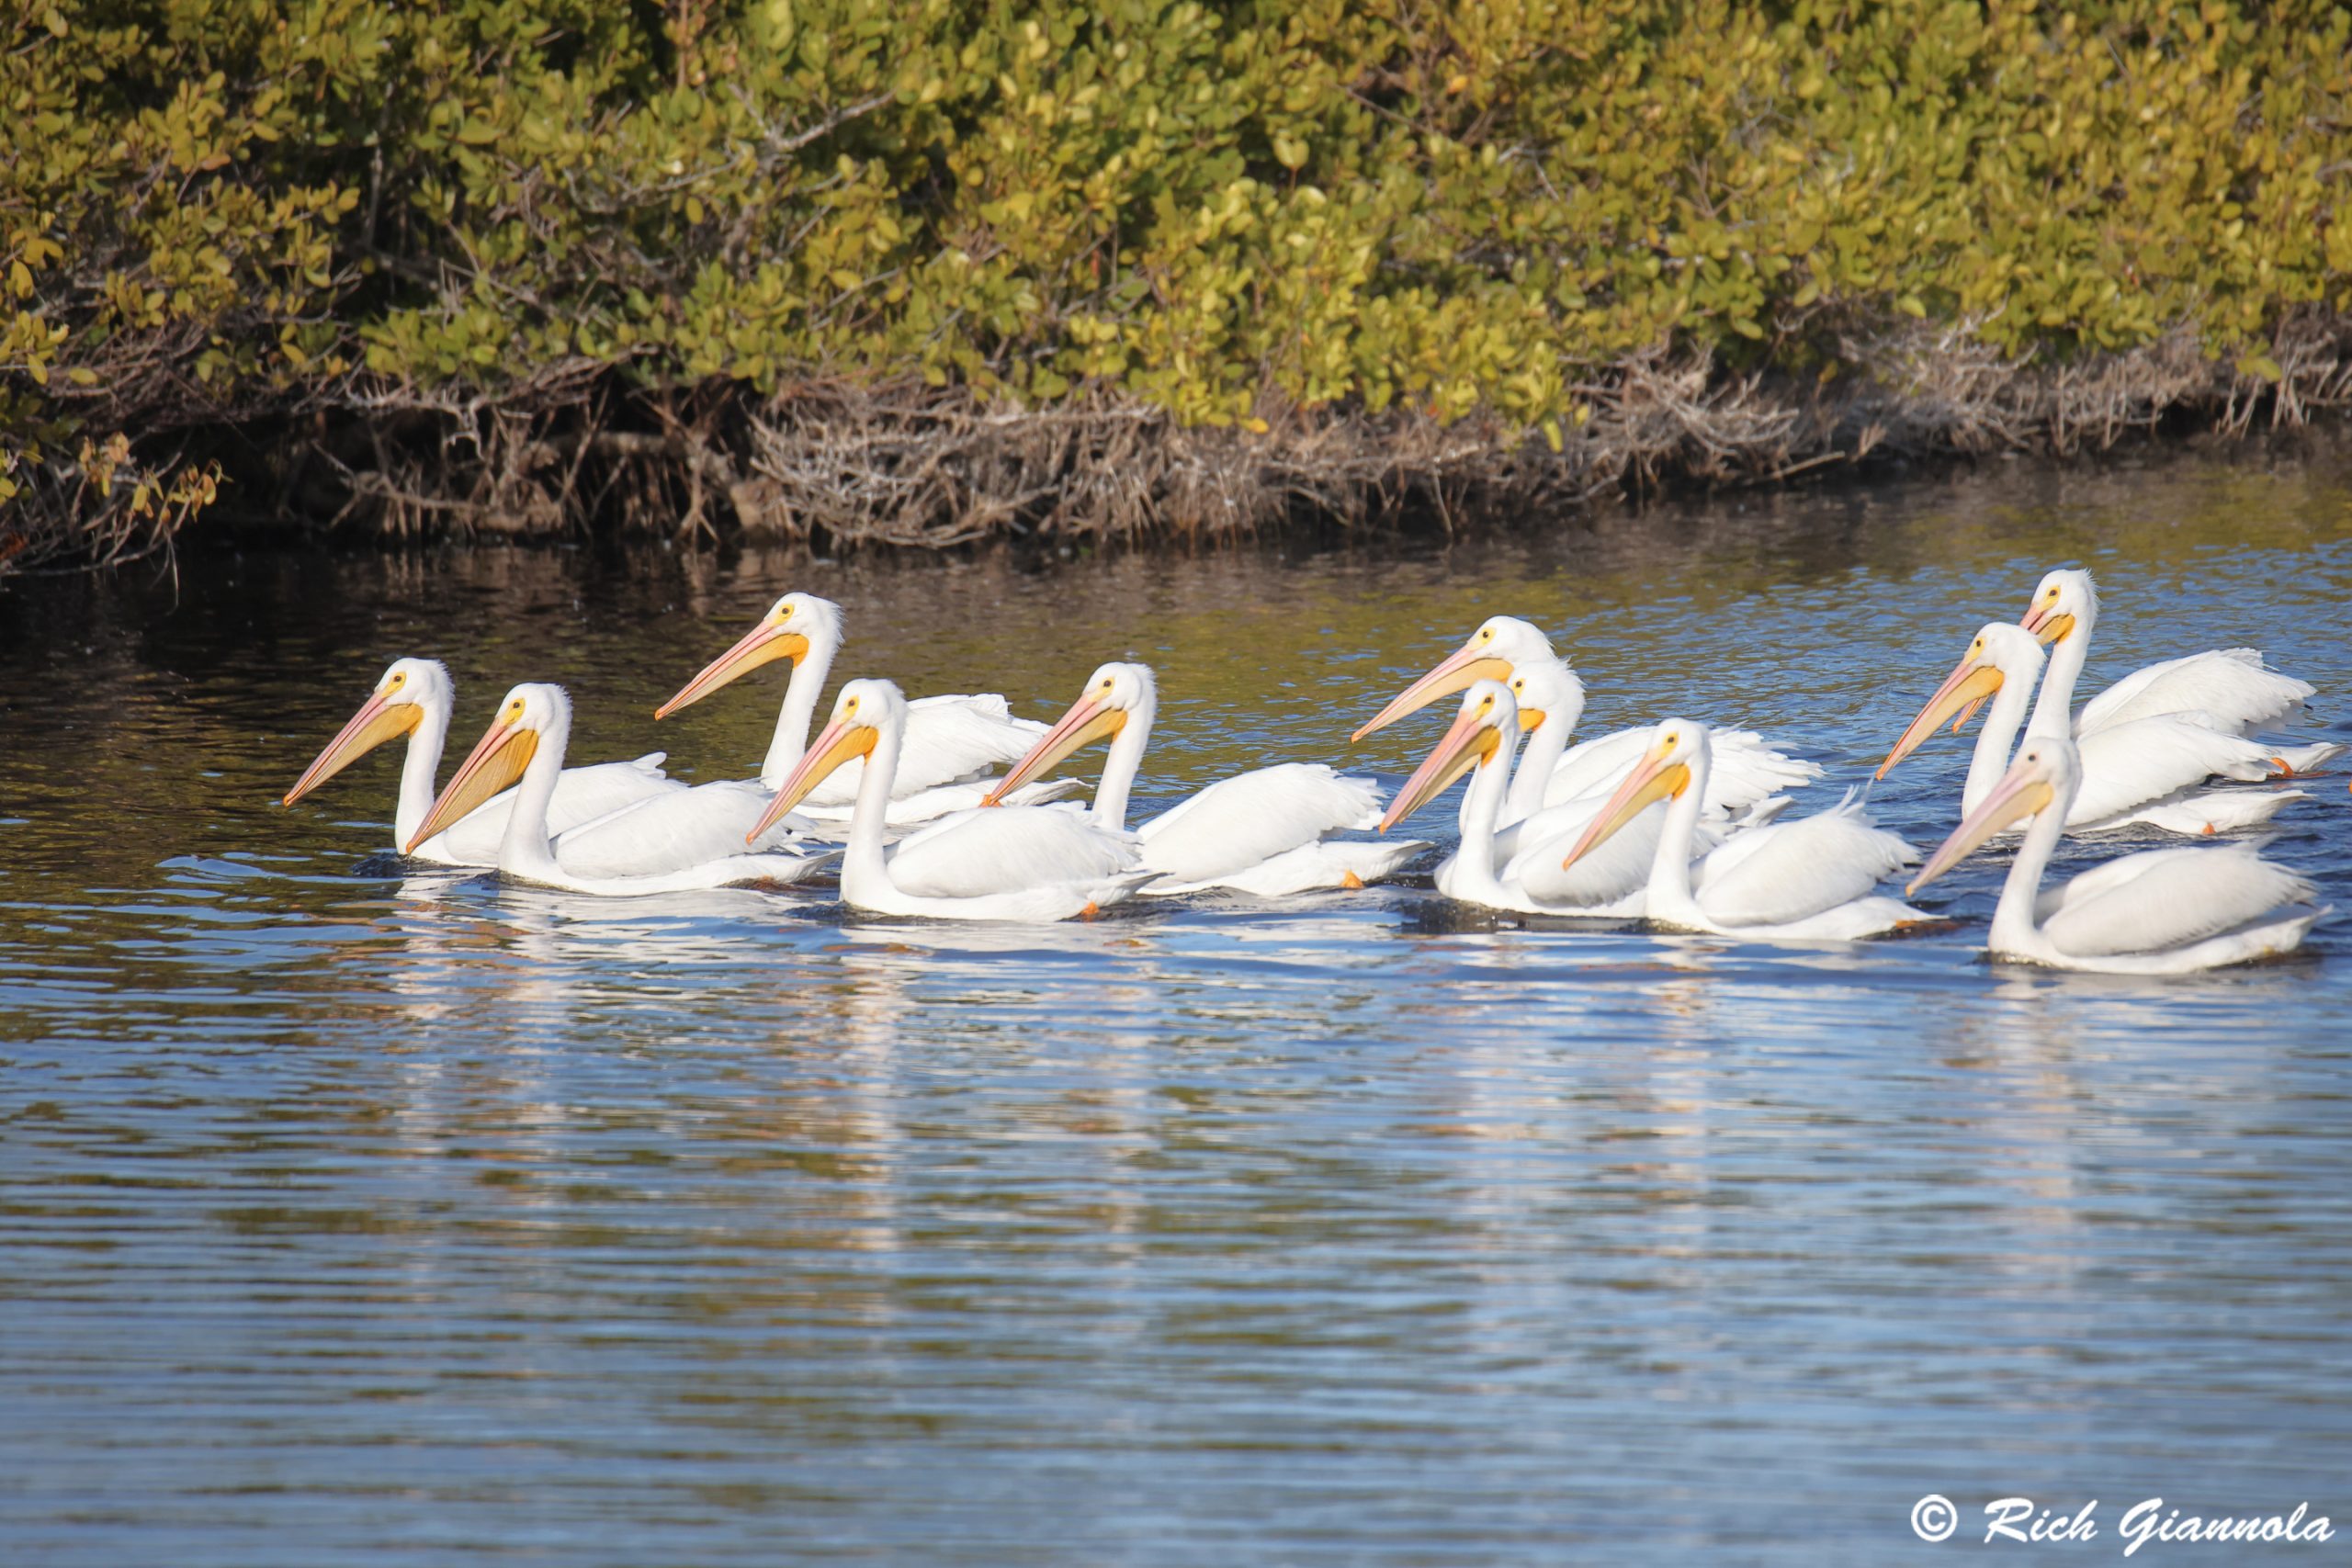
(1999, 654)
(398, 705)
(1501, 642)
(1663, 773)
(1476, 739)
(1111, 692)
(1543, 687)
(863, 711)
(2063, 601)
(794, 626)
(2046, 771)
(506, 748)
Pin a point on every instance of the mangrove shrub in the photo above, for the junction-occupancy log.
(340, 250)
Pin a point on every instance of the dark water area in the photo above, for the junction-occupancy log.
(380, 1219)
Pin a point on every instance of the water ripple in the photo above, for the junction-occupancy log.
(357, 1214)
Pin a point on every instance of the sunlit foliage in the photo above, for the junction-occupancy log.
(223, 211)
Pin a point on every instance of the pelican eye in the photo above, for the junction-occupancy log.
(398, 676)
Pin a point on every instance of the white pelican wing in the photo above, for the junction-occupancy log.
(1321, 866)
(728, 871)
(581, 795)
(2132, 762)
(1007, 849)
(2233, 685)
(2101, 878)
(1251, 817)
(670, 833)
(2167, 898)
(1784, 872)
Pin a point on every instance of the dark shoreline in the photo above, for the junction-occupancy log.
(1660, 524)
(1402, 509)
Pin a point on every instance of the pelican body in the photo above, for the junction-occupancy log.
(1484, 732)
(2149, 771)
(525, 743)
(1550, 770)
(1811, 879)
(950, 741)
(416, 698)
(2157, 912)
(1266, 832)
(1010, 863)
(2233, 690)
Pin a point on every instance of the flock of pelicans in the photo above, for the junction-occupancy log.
(1678, 824)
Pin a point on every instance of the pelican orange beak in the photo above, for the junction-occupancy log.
(377, 721)
(2046, 624)
(1455, 673)
(2021, 793)
(1472, 741)
(840, 741)
(763, 644)
(1530, 720)
(1086, 722)
(498, 760)
(1653, 779)
(1964, 691)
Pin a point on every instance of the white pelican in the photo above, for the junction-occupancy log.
(2156, 912)
(416, 698)
(1553, 772)
(950, 740)
(525, 742)
(1808, 879)
(1008, 862)
(1480, 743)
(2229, 689)
(1262, 831)
(2147, 770)
(1539, 806)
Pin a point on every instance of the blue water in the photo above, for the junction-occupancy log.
(379, 1220)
